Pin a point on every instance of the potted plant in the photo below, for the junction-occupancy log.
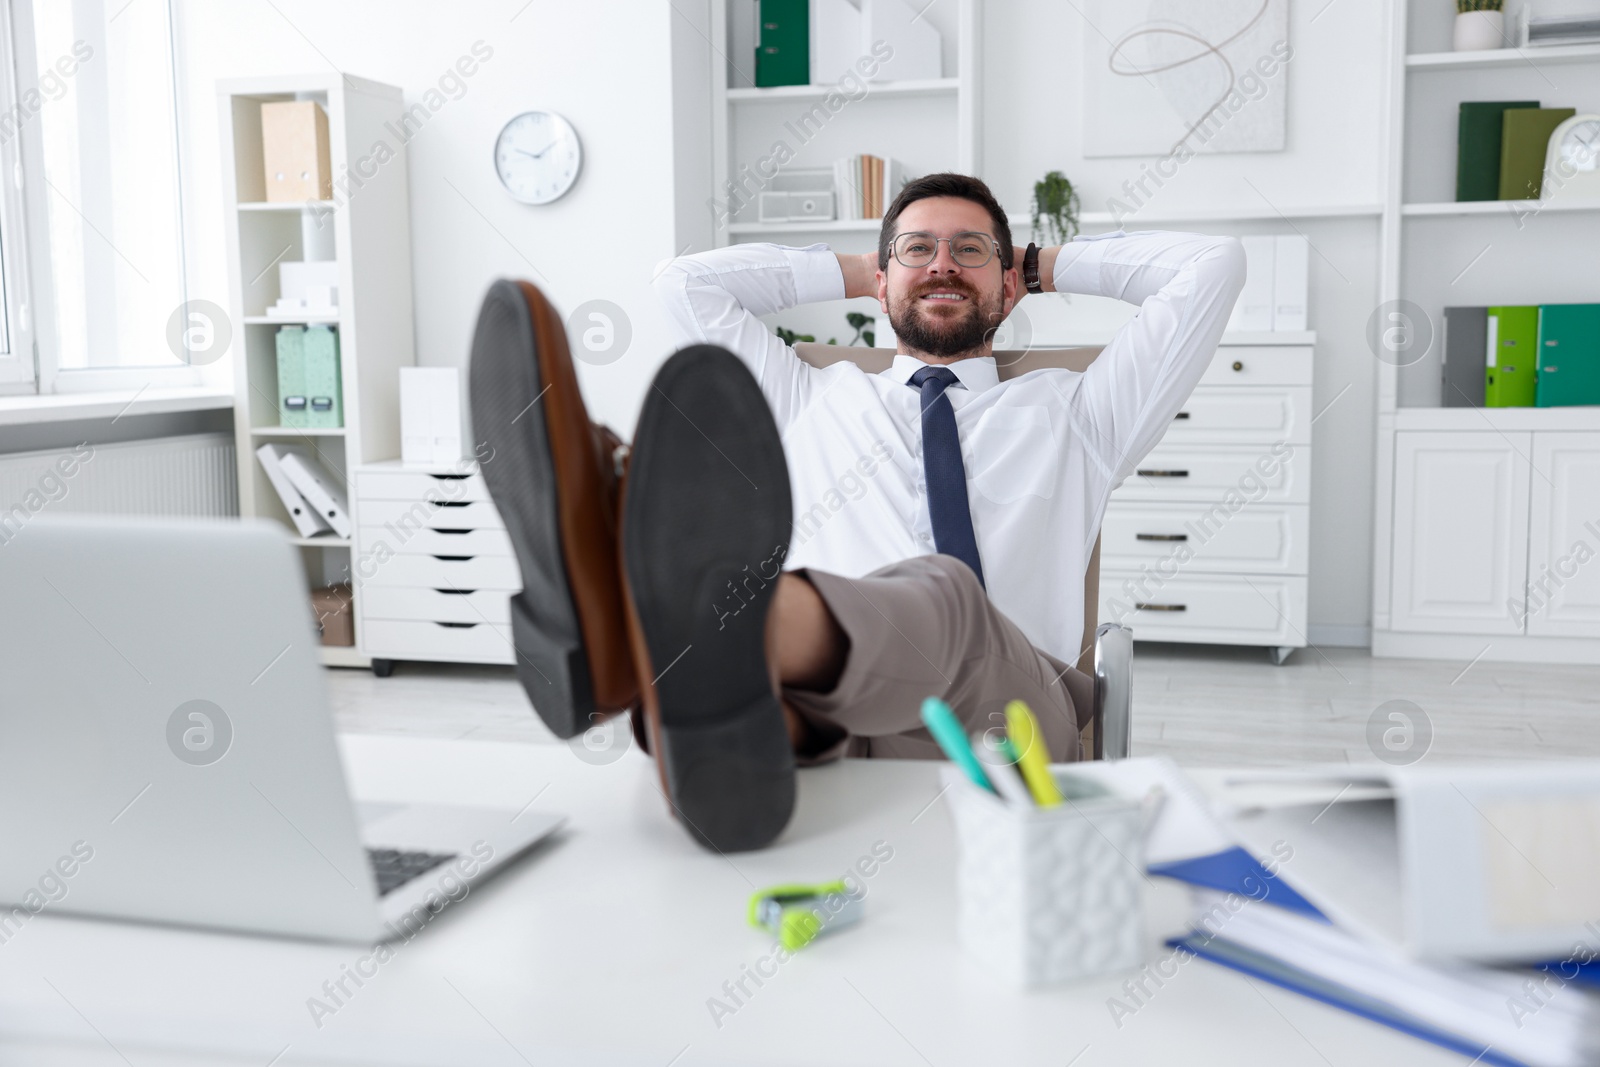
(857, 321)
(1480, 24)
(1055, 204)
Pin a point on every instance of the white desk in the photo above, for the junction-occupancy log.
(604, 946)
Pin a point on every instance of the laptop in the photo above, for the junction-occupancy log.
(167, 751)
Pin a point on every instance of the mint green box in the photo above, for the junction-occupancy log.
(324, 397)
(293, 408)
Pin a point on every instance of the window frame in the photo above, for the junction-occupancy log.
(27, 256)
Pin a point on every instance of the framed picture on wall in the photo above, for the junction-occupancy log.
(1179, 77)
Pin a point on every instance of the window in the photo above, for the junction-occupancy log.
(92, 244)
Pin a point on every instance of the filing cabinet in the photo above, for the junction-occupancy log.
(435, 566)
(1207, 541)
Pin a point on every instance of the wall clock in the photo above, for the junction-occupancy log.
(537, 156)
(1572, 163)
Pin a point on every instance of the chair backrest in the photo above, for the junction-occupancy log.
(1011, 363)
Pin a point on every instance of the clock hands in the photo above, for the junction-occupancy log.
(536, 155)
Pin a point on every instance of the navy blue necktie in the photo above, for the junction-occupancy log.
(945, 473)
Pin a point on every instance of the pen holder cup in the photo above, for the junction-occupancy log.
(1049, 895)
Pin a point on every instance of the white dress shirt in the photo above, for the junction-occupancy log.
(1042, 451)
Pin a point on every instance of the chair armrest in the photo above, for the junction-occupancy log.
(1113, 690)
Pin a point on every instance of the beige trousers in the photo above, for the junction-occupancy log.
(925, 627)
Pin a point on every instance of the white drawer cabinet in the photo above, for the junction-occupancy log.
(1207, 472)
(1258, 539)
(1208, 540)
(1207, 608)
(436, 566)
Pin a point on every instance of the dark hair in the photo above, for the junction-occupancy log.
(963, 186)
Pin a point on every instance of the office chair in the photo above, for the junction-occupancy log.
(1108, 656)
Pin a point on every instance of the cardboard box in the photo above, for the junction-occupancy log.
(335, 621)
(294, 148)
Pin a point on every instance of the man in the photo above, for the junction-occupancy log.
(958, 572)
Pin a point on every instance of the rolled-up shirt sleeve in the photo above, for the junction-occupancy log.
(716, 297)
(1185, 285)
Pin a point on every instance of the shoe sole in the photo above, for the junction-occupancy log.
(505, 388)
(706, 525)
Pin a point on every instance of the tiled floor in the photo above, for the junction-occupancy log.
(1202, 705)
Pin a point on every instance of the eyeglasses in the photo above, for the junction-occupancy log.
(917, 250)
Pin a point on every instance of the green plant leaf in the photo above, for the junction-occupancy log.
(1055, 209)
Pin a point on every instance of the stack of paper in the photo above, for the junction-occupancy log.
(865, 186)
(1402, 895)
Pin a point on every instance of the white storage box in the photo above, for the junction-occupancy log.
(1049, 894)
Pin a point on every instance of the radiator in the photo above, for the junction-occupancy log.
(193, 475)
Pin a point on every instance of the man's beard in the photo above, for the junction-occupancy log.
(947, 336)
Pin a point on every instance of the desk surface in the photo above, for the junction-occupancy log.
(608, 943)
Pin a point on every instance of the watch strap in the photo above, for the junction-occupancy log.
(1030, 269)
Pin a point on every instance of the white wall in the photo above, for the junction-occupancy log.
(605, 66)
(1032, 122)
(610, 69)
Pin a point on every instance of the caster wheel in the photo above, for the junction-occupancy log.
(383, 667)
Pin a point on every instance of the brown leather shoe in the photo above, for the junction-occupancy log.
(706, 519)
(553, 477)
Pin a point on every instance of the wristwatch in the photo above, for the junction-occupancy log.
(1030, 269)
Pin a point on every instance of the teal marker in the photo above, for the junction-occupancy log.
(946, 729)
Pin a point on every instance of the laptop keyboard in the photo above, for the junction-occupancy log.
(394, 868)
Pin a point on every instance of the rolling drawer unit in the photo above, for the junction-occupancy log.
(1207, 541)
(435, 566)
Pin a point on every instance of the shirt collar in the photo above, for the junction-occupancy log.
(977, 373)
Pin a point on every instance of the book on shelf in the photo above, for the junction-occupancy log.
(1524, 142)
(1479, 125)
(865, 186)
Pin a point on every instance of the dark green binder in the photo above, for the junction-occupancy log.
(1513, 357)
(1478, 147)
(783, 54)
(1569, 355)
(1524, 137)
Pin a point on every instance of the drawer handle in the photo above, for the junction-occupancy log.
(1161, 537)
(457, 625)
(449, 477)
(1140, 606)
(1162, 474)
(456, 592)
(1181, 415)
(1237, 365)
(451, 503)
(438, 529)
(455, 559)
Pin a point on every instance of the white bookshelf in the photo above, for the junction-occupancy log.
(1506, 57)
(366, 230)
(928, 125)
(933, 127)
(1446, 561)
